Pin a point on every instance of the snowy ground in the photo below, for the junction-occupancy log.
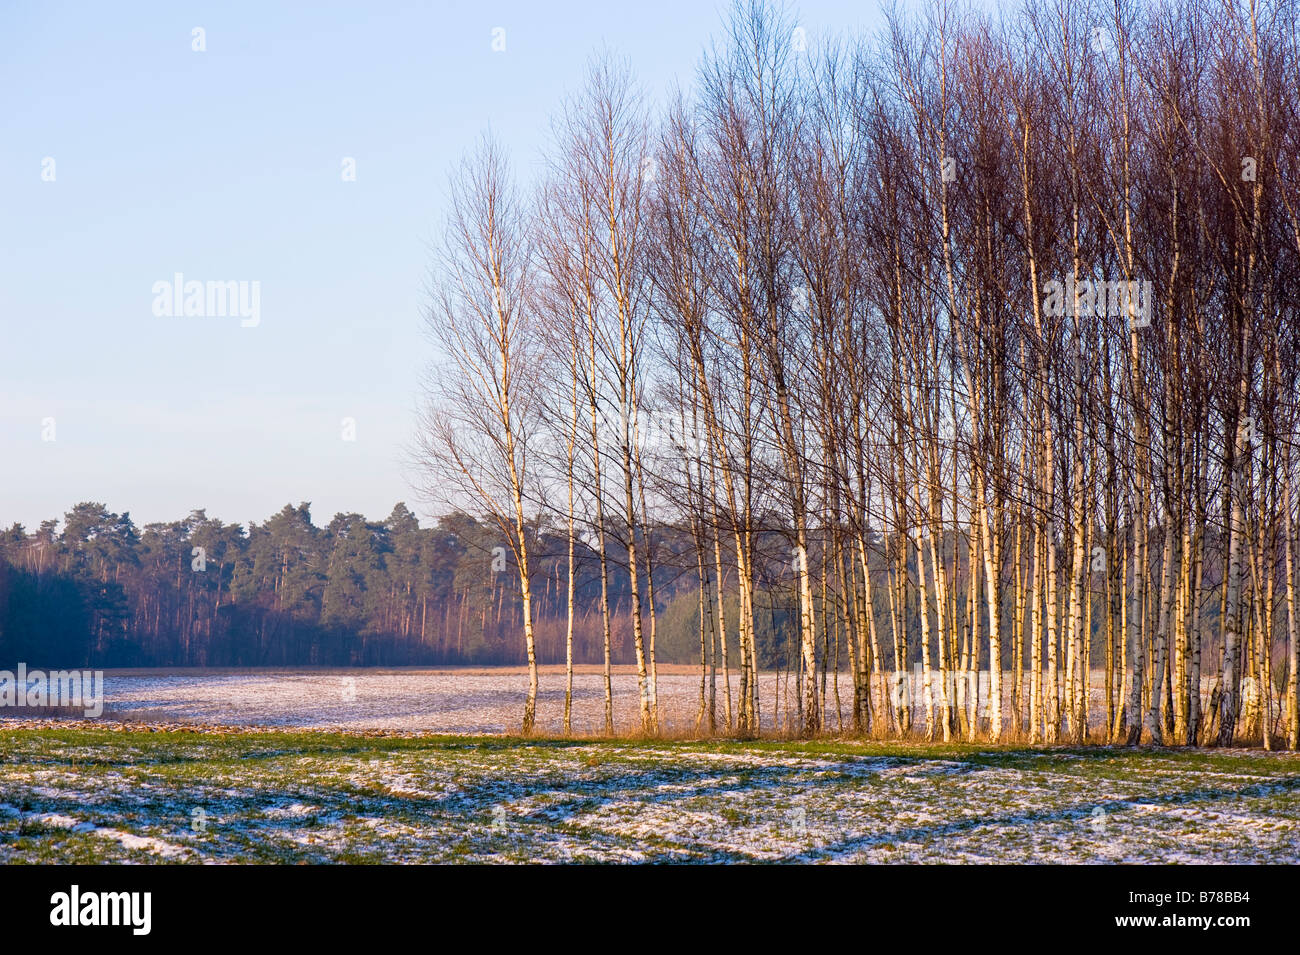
(93, 793)
(469, 700)
(288, 766)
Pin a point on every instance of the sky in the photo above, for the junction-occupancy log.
(128, 157)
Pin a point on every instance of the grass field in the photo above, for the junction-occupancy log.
(109, 794)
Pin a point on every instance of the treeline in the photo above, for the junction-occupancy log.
(95, 590)
(989, 319)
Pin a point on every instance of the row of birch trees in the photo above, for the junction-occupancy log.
(975, 337)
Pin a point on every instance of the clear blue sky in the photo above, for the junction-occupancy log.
(226, 165)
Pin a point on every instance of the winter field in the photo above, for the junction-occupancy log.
(474, 700)
(119, 794)
(417, 766)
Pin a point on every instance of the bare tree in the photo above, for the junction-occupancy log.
(481, 409)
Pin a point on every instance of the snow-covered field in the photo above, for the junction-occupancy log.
(93, 793)
(339, 766)
(465, 700)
